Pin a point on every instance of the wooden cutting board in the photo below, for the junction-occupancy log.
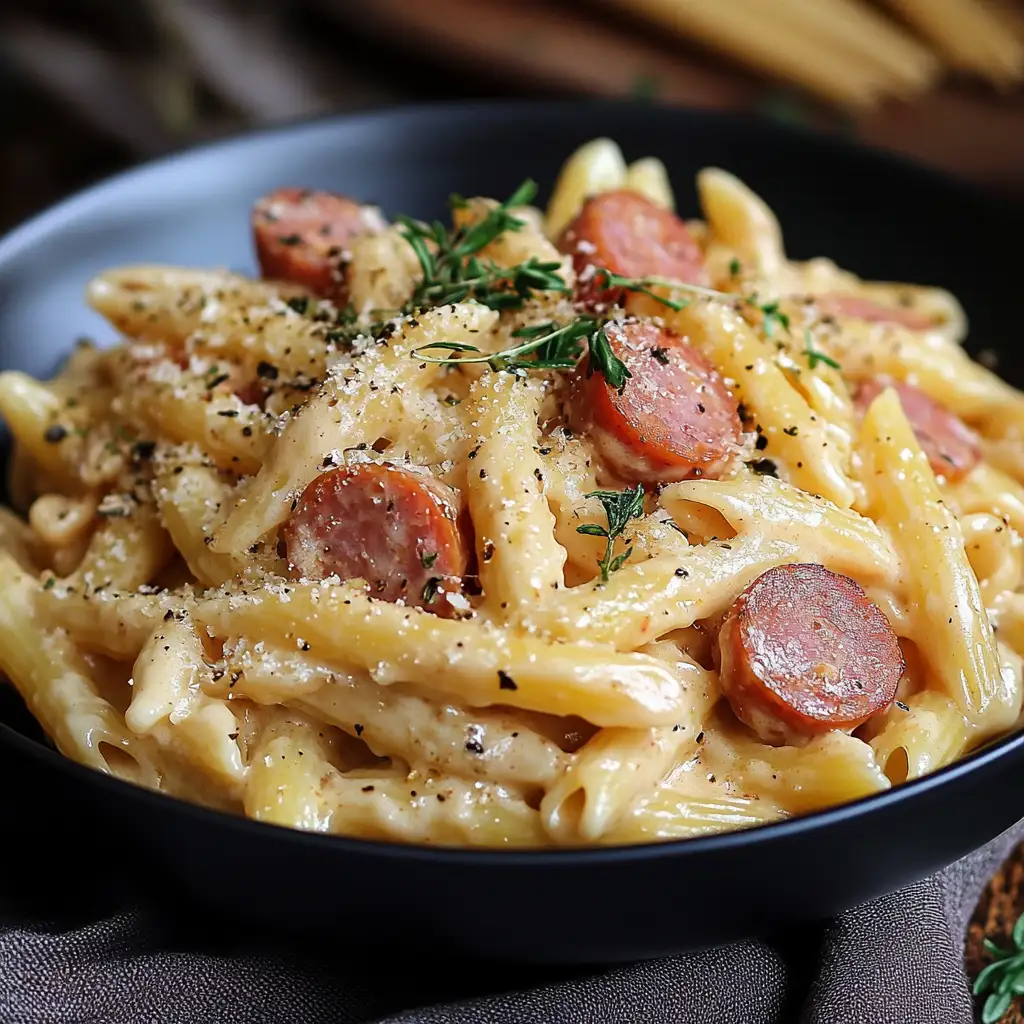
(542, 47)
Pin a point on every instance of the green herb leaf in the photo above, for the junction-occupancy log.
(619, 508)
(430, 589)
(735, 267)
(1018, 934)
(995, 950)
(995, 1006)
(1004, 977)
(428, 559)
(814, 356)
(49, 583)
(497, 222)
(605, 361)
(773, 316)
(450, 346)
(557, 348)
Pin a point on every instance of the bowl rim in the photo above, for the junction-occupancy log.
(57, 216)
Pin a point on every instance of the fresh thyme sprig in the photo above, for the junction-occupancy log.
(556, 348)
(643, 285)
(454, 272)
(1004, 977)
(619, 508)
(813, 355)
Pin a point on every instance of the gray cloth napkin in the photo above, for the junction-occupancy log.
(898, 959)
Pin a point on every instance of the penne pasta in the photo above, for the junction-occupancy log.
(434, 541)
(948, 619)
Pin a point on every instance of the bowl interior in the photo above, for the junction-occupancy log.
(871, 213)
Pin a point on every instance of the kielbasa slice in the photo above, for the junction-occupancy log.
(674, 420)
(393, 527)
(950, 445)
(803, 650)
(303, 236)
(860, 308)
(628, 234)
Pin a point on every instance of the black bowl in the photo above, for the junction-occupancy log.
(872, 213)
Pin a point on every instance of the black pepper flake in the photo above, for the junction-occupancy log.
(289, 239)
(54, 434)
(304, 646)
(765, 467)
(234, 736)
(230, 413)
(440, 798)
(367, 789)
(488, 553)
(358, 728)
(792, 431)
(901, 705)
(143, 450)
(214, 381)
(544, 451)
(660, 354)
(266, 370)
(472, 454)
(168, 615)
(483, 474)
(474, 746)
(761, 443)
(700, 736)
(682, 573)
(505, 681)
(247, 431)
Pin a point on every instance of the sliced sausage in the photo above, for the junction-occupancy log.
(803, 650)
(304, 237)
(951, 446)
(674, 420)
(626, 233)
(395, 528)
(874, 312)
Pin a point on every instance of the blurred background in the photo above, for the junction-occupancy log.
(90, 86)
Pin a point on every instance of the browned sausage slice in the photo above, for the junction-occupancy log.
(874, 312)
(803, 650)
(674, 420)
(951, 446)
(626, 233)
(303, 236)
(395, 528)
